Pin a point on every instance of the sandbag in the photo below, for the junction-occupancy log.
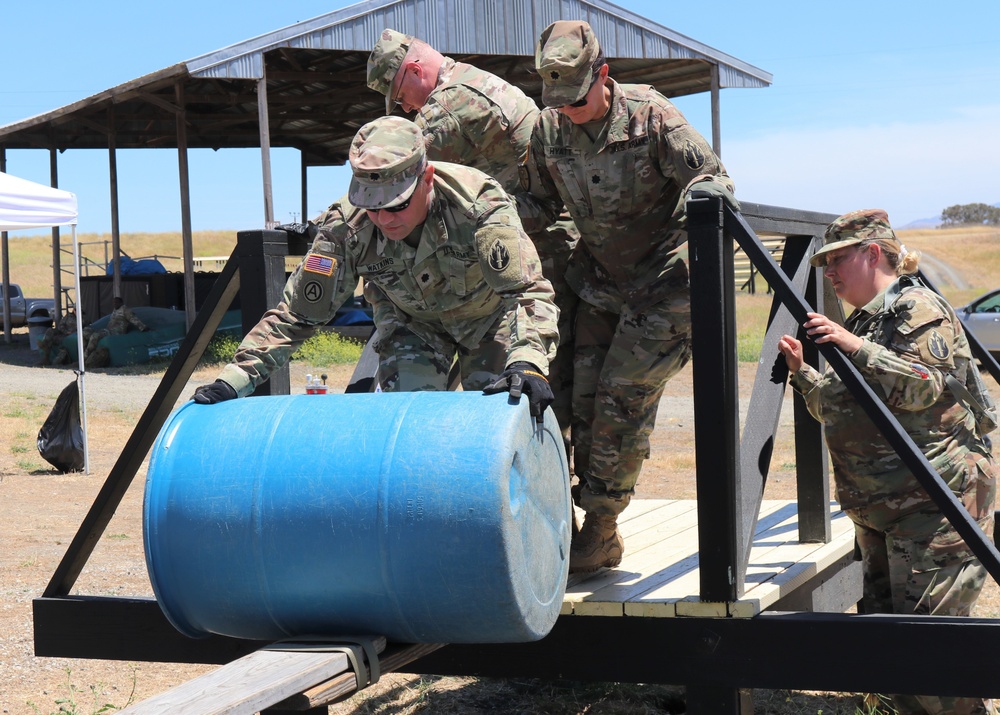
(60, 440)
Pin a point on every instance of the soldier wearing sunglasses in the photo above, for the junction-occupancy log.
(449, 272)
(621, 158)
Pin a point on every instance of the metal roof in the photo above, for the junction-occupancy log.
(315, 75)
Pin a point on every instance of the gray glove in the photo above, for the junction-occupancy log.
(707, 187)
(218, 391)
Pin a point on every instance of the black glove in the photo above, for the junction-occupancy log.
(307, 229)
(218, 391)
(707, 187)
(524, 377)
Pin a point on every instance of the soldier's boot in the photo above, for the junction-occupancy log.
(598, 545)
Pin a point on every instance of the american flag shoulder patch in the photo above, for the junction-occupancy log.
(324, 265)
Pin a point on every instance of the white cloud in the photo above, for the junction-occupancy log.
(912, 167)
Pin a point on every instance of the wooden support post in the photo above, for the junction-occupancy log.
(5, 257)
(812, 474)
(56, 257)
(262, 274)
(190, 308)
(116, 245)
(716, 112)
(304, 183)
(265, 150)
(721, 541)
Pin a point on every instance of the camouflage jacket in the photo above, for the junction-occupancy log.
(477, 119)
(906, 356)
(473, 266)
(474, 118)
(624, 189)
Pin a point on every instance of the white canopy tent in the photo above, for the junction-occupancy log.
(25, 204)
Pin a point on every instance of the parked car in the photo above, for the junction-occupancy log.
(22, 309)
(981, 317)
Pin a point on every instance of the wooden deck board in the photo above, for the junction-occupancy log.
(658, 576)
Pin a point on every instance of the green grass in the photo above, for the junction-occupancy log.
(326, 348)
(751, 322)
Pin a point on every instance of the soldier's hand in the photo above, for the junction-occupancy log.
(218, 391)
(523, 377)
(307, 229)
(707, 187)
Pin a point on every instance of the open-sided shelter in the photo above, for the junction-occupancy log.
(303, 86)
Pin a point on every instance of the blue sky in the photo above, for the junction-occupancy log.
(886, 104)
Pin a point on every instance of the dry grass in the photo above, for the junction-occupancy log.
(973, 251)
(31, 256)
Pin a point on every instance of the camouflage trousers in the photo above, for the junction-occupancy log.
(622, 363)
(555, 246)
(409, 362)
(919, 564)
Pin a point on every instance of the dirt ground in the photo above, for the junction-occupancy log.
(41, 510)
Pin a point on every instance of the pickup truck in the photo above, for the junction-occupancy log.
(21, 308)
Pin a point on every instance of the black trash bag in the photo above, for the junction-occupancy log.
(60, 440)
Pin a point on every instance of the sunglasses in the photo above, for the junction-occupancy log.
(399, 88)
(398, 207)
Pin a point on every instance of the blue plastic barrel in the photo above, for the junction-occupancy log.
(436, 517)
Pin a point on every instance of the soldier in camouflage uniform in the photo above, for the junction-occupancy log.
(621, 158)
(472, 117)
(449, 271)
(52, 340)
(908, 344)
(122, 318)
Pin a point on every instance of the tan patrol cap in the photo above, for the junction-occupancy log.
(387, 159)
(564, 59)
(384, 62)
(853, 228)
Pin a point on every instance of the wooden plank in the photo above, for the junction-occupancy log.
(259, 680)
(682, 591)
(667, 551)
(247, 685)
(345, 684)
(805, 564)
(658, 596)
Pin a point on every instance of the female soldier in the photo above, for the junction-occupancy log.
(910, 347)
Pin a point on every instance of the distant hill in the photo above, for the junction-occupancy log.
(924, 223)
(930, 222)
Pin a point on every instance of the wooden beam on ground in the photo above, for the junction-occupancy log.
(346, 684)
(254, 682)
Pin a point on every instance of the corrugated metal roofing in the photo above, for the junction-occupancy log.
(470, 27)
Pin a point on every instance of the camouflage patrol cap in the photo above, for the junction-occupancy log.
(564, 58)
(385, 60)
(853, 228)
(387, 159)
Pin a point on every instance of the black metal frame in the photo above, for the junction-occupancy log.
(715, 658)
